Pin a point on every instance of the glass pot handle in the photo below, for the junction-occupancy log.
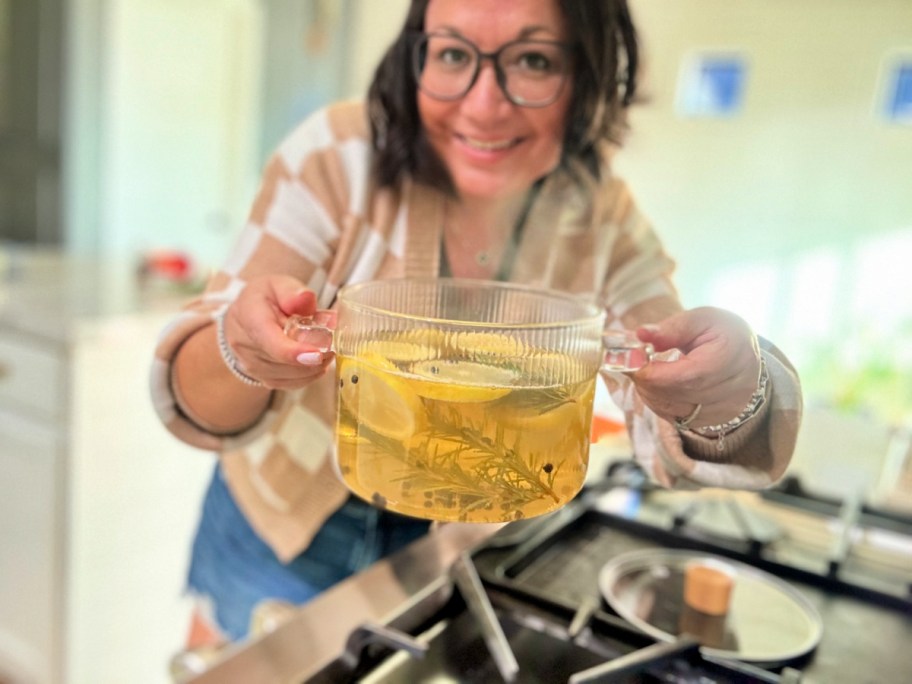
(625, 352)
(310, 329)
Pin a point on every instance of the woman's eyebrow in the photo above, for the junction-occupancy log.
(525, 33)
(446, 29)
(531, 30)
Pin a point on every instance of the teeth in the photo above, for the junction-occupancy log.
(489, 144)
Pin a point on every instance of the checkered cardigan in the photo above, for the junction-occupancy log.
(318, 217)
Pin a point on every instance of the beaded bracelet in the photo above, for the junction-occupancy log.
(231, 361)
(758, 398)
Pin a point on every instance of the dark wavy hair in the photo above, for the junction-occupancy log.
(606, 56)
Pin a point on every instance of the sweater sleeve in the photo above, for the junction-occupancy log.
(755, 456)
(294, 228)
(638, 290)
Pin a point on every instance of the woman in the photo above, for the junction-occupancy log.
(485, 156)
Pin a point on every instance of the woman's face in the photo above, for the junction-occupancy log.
(492, 147)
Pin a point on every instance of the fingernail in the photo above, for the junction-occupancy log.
(310, 358)
(651, 327)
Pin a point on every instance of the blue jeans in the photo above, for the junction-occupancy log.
(234, 570)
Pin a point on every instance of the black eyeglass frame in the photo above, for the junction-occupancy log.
(419, 55)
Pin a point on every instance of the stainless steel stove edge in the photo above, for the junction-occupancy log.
(406, 587)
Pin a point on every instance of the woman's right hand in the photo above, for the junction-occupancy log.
(254, 329)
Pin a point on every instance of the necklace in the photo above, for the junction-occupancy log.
(463, 252)
(483, 257)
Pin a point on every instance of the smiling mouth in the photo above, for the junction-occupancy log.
(489, 145)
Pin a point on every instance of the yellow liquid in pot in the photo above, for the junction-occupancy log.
(458, 440)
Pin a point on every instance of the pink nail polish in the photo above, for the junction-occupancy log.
(310, 358)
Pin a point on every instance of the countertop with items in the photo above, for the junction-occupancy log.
(45, 291)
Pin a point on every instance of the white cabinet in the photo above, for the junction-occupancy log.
(97, 501)
(29, 564)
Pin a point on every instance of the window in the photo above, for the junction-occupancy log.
(843, 314)
(712, 86)
(899, 92)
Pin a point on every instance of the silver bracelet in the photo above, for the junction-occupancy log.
(758, 398)
(231, 361)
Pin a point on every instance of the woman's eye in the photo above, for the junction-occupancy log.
(535, 61)
(452, 56)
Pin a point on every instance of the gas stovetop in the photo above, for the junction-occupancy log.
(527, 605)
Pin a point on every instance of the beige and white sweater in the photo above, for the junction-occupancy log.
(318, 217)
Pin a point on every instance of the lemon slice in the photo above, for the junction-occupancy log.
(409, 345)
(378, 399)
(461, 381)
(489, 344)
(400, 351)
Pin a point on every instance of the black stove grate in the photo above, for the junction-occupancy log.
(559, 565)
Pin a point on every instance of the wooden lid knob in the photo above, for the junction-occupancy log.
(707, 588)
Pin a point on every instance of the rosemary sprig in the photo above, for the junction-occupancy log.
(542, 400)
(477, 472)
(498, 464)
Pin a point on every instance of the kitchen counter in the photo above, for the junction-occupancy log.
(318, 632)
(45, 293)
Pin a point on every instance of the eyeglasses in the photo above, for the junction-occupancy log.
(531, 73)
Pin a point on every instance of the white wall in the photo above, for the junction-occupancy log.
(373, 27)
(808, 162)
(306, 55)
(172, 107)
(163, 120)
(797, 212)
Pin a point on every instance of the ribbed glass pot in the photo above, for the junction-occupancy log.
(465, 400)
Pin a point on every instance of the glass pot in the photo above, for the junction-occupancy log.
(468, 400)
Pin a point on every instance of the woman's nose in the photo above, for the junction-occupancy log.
(486, 93)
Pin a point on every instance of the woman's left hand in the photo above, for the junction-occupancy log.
(719, 366)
